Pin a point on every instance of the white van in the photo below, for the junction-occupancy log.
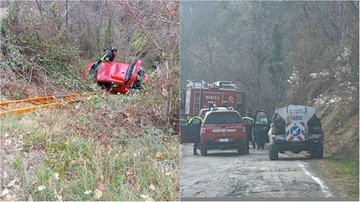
(295, 128)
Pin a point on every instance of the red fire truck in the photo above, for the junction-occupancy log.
(199, 94)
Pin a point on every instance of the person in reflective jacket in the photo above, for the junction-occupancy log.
(248, 123)
(108, 55)
(195, 125)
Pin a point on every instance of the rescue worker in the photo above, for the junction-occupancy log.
(108, 56)
(195, 125)
(248, 123)
(139, 78)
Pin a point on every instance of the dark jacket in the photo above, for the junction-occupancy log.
(108, 55)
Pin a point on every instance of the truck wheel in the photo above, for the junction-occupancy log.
(203, 151)
(317, 153)
(273, 154)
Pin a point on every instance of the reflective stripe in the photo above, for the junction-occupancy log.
(246, 117)
(198, 117)
(104, 57)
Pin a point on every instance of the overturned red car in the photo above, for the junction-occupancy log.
(118, 77)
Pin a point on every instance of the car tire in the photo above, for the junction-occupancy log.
(273, 154)
(317, 153)
(203, 151)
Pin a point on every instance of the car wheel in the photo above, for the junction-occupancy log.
(273, 154)
(317, 153)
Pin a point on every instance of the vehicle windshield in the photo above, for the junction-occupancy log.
(223, 118)
(278, 119)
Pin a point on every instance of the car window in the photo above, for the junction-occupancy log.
(314, 121)
(223, 117)
(261, 118)
(278, 118)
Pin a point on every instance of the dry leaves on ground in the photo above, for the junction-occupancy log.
(146, 197)
(130, 175)
(97, 194)
(152, 187)
(159, 155)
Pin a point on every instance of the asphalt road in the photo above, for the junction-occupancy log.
(224, 173)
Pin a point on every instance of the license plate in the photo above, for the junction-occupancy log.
(224, 140)
(297, 118)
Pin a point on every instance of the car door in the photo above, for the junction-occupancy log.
(261, 127)
(131, 72)
(190, 132)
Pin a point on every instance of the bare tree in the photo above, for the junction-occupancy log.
(158, 23)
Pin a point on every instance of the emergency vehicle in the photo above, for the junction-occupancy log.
(220, 93)
(223, 129)
(199, 95)
(295, 128)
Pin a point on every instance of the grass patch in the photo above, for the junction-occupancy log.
(342, 174)
(349, 169)
(96, 150)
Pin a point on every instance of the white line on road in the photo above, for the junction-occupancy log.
(324, 188)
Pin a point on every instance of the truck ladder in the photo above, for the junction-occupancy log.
(25, 105)
(197, 99)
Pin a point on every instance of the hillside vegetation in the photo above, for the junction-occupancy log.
(109, 147)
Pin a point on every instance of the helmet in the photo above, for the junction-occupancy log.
(114, 49)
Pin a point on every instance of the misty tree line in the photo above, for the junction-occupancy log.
(277, 52)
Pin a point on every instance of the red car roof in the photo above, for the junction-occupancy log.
(112, 72)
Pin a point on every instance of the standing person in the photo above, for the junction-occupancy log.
(250, 114)
(108, 56)
(248, 123)
(195, 125)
